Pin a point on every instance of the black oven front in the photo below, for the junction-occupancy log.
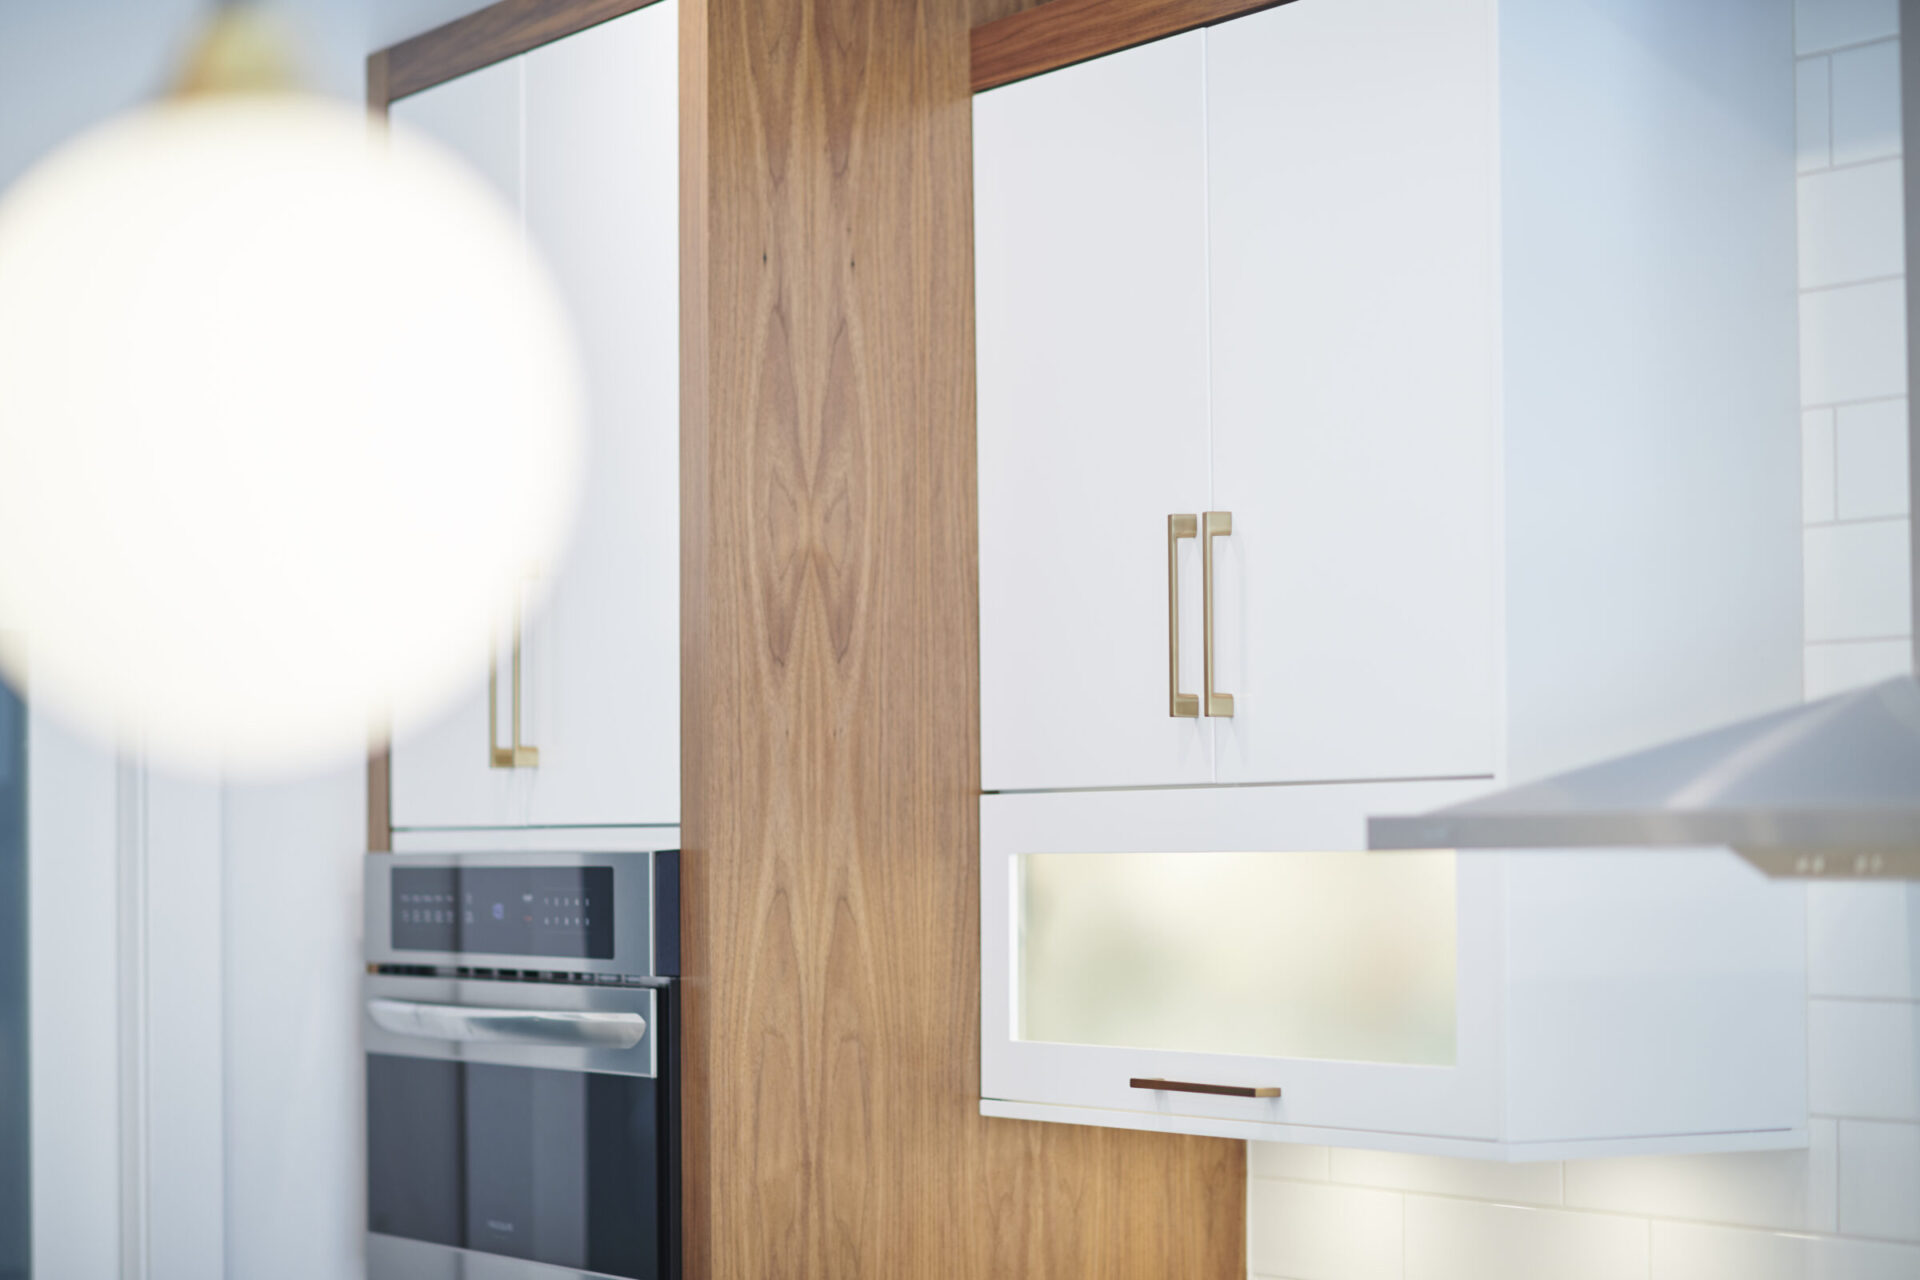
(522, 1102)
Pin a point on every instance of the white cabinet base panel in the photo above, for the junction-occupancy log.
(522, 839)
(1660, 1144)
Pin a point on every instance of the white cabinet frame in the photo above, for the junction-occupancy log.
(1581, 990)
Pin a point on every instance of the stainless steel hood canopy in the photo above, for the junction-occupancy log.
(1827, 789)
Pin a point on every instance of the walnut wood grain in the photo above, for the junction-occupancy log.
(377, 99)
(380, 801)
(1060, 33)
(830, 727)
(380, 759)
(480, 39)
(830, 702)
(985, 11)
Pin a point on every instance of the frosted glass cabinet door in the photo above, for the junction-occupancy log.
(1090, 296)
(602, 157)
(1353, 214)
(1237, 937)
(441, 775)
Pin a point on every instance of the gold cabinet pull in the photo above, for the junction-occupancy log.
(1190, 1086)
(1216, 524)
(519, 755)
(1178, 703)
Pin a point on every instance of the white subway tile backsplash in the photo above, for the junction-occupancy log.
(1688, 1251)
(1813, 123)
(1853, 343)
(1470, 1240)
(1863, 1058)
(1847, 1207)
(1850, 224)
(1836, 668)
(1480, 1179)
(1864, 940)
(1305, 1231)
(1787, 1190)
(1866, 103)
(1870, 451)
(1880, 1179)
(1818, 477)
(1286, 1160)
(1857, 584)
(1829, 24)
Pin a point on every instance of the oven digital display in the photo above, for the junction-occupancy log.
(562, 912)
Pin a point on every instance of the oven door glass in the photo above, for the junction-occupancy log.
(561, 1167)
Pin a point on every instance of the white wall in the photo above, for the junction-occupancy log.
(295, 1145)
(1848, 1208)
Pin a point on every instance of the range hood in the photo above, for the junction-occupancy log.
(1829, 789)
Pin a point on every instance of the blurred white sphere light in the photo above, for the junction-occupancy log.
(286, 414)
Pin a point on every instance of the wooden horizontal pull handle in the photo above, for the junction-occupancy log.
(1224, 1090)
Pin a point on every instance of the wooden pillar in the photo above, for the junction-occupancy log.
(830, 701)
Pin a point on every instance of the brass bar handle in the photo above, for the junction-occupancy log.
(1190, 1086)
(1216, 524)
(519, 755)
(1178, 703)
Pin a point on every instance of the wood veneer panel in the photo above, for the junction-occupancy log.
(498, 31)
(377, 99)
(380, 759)
(380, 801)
(1060, 33)
(830, 699)
(985, 11)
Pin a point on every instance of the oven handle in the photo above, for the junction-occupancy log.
(514, 1026)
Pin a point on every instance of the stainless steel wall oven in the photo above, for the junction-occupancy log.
(521, 1044)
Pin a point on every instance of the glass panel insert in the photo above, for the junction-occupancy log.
(1284, 955)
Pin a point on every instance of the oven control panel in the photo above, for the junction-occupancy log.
(559, 912)
(593, 915)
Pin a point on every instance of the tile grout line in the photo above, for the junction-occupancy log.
(1831, 642)
(1837, 285)
(1851, 47)
(1836, 1234)
(1718, 1224)
(1403, 1235)
(1859, 402)
(1849, 522)
(1846, 166)
(1839, 1155)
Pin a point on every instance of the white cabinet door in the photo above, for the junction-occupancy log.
(1238, 937)
(584, 132)
(1511, 1005)
(1354, 192)
(603, 658)
(441, 773)
(1090, 290)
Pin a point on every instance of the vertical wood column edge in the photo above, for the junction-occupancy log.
(380, 758)
(830, 700)
(696, 734)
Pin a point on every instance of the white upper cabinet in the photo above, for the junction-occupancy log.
(1470, 339)
(1228, 961)
(441, 771)
(1352, 197)
(1247, 270)
(584, 132)
(1090, 234)
(603, 209)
